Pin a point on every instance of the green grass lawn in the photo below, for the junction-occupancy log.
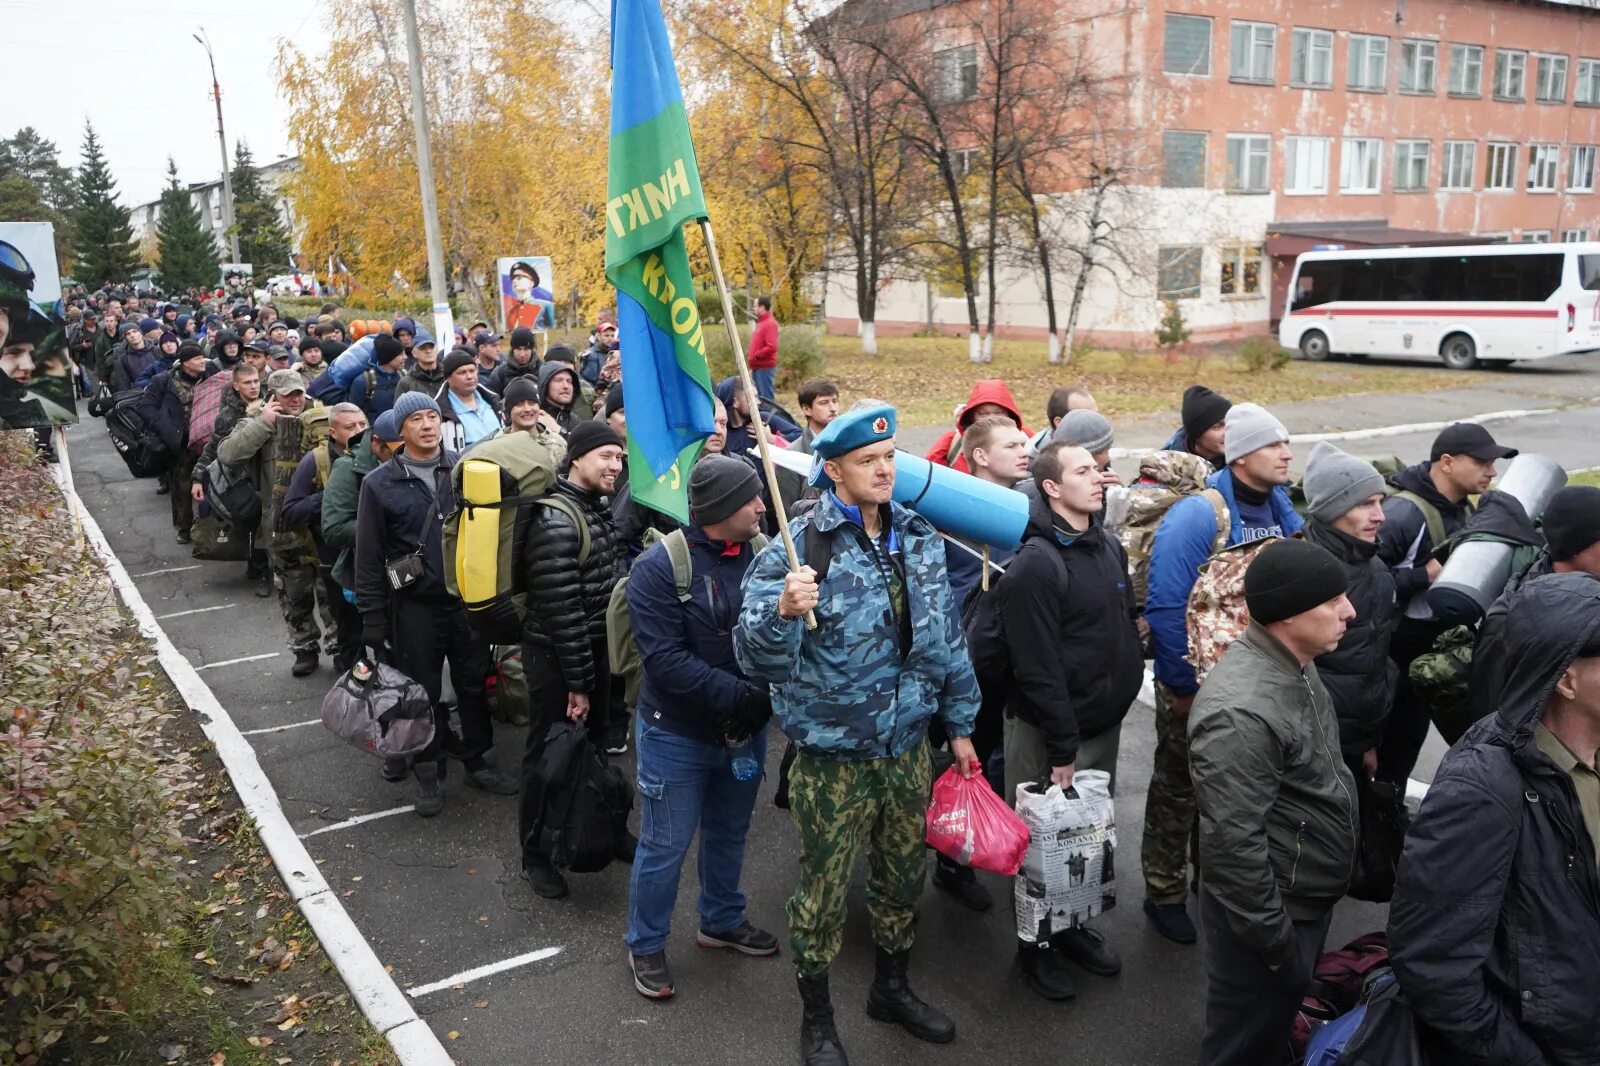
(1584, 477)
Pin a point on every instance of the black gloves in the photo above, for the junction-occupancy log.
(748, 718)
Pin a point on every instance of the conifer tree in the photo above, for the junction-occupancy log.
(186, 256)
(262, 240)
(103, 245)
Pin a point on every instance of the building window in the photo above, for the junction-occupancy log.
(1535, 236)
(1410, 166)
(1550, 85)
(1369, 63)
(1418, 61)
(1249, 157)
(1587, 91)
(1188, 46)
(1544, 160)
(1466, 70)
(1361, 167)
(1252, 51)
(963, 161)
(1497, 237)
(1574, 236)
(1178, 271)
(1305, 169)
(1510, 71)
(1580, 170)
(1241, 270)
(956, 74)
(1501, 173)
(1183, 160)
(1456, 172)
(1311, 59)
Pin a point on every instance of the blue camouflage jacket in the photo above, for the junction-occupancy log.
(842, 691)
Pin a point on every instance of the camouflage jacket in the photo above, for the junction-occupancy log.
(843, 690)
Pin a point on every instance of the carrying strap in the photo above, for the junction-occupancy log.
(677, 546)
(324, 464)
(1430, 515)
(819, 550)
(1219, 504)
(572, 511)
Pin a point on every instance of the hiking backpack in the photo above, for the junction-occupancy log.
(133, 436)
(232, 496)
(1164, 478)
(497, 486)
(620, 647)
(1217, 613)
(1339, 982)
(204, 406)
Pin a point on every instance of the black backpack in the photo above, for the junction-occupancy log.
(986, 635)
(231, 495)
(133, 436)
(583, 801)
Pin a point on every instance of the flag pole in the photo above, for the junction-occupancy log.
(747, 383)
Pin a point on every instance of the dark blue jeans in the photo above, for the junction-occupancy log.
(765, 379)
(686, 785)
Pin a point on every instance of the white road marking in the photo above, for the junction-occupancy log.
(483, 971)
(358, 819)
(241, 659)
(168, 570)
(197, 610)
(279, 728)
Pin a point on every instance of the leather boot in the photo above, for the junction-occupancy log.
(891, 1000)
(819, 1038)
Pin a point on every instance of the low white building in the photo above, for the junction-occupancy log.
(207, 199)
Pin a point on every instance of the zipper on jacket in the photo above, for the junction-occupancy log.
(1294, 871)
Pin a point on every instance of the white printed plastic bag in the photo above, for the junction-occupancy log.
(1069, 873)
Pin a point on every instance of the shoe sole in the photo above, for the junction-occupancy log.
(430, 813)
(879, 1015)
(712, 942)
(650, 993)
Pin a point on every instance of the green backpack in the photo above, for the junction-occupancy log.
(626, 662)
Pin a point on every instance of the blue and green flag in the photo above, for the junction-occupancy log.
(653, 188)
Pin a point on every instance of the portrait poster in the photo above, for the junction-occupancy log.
(526, 292)
(238, 279)
(37, 389)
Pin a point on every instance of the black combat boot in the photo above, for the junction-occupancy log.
(890, 999)
(819, 1039)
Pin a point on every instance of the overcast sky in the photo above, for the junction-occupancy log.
(132, 68)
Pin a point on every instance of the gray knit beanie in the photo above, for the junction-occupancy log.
(1337, 481)
(1089, 430)
(1248, 427)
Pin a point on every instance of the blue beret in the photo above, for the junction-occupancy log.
(852, 430)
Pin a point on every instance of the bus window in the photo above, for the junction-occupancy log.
(1319, 283)
(1589, 272)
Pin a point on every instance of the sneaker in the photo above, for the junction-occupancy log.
(491, 780)
(617, 747)
(545, 880)
(1088, 949)
(744, 938)
(651, 976)
(962, 883)
(1171, 921)
(430, 789)
(264, 584)
(305, 663)
(184, 538)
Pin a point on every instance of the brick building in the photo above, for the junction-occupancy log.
(1276, 127)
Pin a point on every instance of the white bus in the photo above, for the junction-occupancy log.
(1468, 304)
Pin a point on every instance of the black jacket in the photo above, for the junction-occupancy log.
(1495, 925)
(397, 515)
(166, 411)
(508, 371)
(419, 380)
(1068, 616)
(1489, 652)
(567, 415)
(566, 603)
(1359, 674)
(1404, 543)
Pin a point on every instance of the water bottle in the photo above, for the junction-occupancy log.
(742, 757)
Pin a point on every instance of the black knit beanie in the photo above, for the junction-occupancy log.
(718, 486)
(1202, 409)
(587, 436)
(1290, 577)
(519, 389)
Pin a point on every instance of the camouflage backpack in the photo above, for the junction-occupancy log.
(1164, 479)
(1217, 613)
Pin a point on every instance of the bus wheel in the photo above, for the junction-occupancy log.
(1314, 345)
(1459, 352)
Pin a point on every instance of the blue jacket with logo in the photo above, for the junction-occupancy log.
(843, 690)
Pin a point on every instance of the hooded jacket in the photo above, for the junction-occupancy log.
(1277, 805)
(128, 365)
(567, 415)
(1359, 674)
(1404, 543)
(339, 500)
(419, 380)
(989, 391)
(1494, 930)
(218, 350)
(566, 601)
(509, 371)
(1068, 615)
(1489, 650)
(741, 439)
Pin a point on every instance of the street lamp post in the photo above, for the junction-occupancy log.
(437, 284)
(222, 143)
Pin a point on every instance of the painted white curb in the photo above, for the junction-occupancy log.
(373, 989)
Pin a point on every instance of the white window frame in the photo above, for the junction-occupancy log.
(950, 65)
(1535, 236)
(1211, 40)
(1544, 167)
(1367, 70)
(1580, 168)
(1500, 167)
(1458, 161)
(963, 160)
(1515, 66)
(1300, 159)
(1467, 58)
(1365, 154)
(1260, 36)
(1311, 49)
(1241, 255)
(1550, 79)
(1574, 236)
(1586, 86)
(1423, 59)
(1407, 155)
(1255, 149)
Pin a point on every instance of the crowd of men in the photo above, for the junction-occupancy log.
(861, 656)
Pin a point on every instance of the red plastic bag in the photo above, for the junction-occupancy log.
(968, 823)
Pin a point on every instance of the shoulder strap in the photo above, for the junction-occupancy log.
(819, 550)
(324, 463)
(677, 546)
(1430, 515)
(758, 543)
(1219, 504)
(571, 510)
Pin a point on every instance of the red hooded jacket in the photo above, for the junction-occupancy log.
(991, 390)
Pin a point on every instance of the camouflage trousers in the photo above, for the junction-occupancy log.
(297, 596)
(837, 808)
(1169, 810)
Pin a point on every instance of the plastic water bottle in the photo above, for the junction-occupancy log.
(742, 757)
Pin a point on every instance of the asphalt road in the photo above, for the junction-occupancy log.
(442, 898)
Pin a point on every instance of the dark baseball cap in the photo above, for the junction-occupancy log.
(485, 338)
(1469, 438)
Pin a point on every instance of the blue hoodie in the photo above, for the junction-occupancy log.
(740, 439)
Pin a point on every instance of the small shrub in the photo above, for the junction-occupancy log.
(1173, 330)
(709, 301)
(1263, 355)
(800, 355)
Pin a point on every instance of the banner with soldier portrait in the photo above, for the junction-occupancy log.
(37, 389)
(526, 292)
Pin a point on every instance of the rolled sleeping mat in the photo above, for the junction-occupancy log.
(1477, 571)
(957, 503)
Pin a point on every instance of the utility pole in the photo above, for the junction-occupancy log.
(443, 326)
(222, 143)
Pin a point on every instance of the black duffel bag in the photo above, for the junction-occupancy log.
(133, 436)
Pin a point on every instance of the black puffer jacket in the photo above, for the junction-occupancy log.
(1494, 930)
(566, 603)
(1489, 652)
(1068, 615)
(1359, 674)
